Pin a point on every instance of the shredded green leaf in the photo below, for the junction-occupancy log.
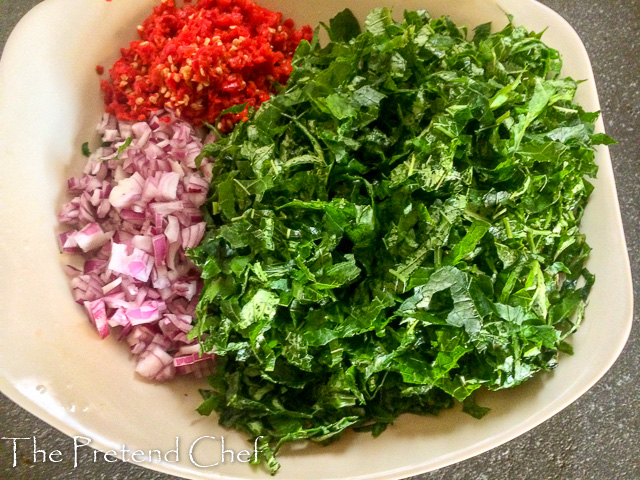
(85, 149)
(397, 228)
(123, 147)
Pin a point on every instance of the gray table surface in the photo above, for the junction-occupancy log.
(598, 436)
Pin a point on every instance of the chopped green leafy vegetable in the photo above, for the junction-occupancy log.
(397, 228)
(85, 149)
(123, 147)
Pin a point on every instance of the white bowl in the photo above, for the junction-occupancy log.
(53, 362)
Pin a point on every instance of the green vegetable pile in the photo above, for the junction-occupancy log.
(395, 229)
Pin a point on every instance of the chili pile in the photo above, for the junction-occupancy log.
(200, 59)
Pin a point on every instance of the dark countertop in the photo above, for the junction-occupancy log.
(598, 436)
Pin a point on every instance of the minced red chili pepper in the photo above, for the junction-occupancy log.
(200, 59)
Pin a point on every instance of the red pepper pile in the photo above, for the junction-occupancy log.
(201, 59)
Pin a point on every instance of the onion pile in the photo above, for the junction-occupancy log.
(135, 210)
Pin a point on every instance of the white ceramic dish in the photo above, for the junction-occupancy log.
(53, 363)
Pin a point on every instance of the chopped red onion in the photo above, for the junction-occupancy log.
(91, 237)
(192, 235)
(132, 218)
(98, 315)
(68, 242)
